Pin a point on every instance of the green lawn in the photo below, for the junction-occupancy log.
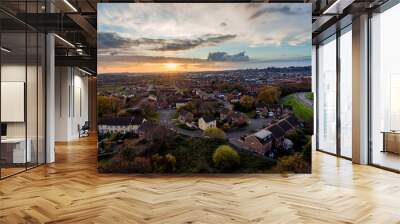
(309, 95)
(300, 110)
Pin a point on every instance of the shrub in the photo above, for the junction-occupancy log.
(225, 158)
(293, 163)
(141, 165)
(127, 153)
(164, 164)
(214, 133)
(306, 153)
(170, 162)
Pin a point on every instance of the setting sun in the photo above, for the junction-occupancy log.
(171, 66)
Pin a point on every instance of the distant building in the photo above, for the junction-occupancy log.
(207, 122)
(119, 124)
(259, 142)
(180, 103)
(152, 98)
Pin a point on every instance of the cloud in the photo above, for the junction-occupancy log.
(107, 59)
(299, 39)
(111, 40)
(185, 44)
(285, 10)
(223, 56)
(107, 40)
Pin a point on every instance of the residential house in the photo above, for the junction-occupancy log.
(180, 103)
(259, 142)
(152, 98)
(278, 134)
(293, 121)
(120, 124)
(207, 122)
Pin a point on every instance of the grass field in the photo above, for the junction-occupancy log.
(300, 110)
(309, 96)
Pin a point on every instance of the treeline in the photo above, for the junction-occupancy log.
(290, 88)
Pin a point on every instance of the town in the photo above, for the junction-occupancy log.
(263, 114)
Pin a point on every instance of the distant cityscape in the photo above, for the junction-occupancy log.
(263, 115)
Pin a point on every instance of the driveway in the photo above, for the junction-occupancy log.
(253, 126)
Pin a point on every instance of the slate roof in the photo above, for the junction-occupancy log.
(277, 132)
(293, 121)
(208, 119)
(116, 121)
(285, 125)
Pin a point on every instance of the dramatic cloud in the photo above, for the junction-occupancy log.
(147, 59)
(223, 56)
(184, 44)
(285, 10)
(141, 37)
(113, 40)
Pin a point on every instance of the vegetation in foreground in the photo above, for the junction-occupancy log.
(181, 154)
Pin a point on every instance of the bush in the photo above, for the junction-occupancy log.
(141, 165)
(293, 163)
(164, 164)
(225, 158)
(306, 153)
(127, 153)
(118, 164)
(214, 133)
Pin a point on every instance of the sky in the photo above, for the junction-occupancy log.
(179, 37)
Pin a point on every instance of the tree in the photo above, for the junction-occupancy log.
(225, 158)
(214, 133)
(164, 164)
(149, 111)
(108, 106)
(269, 95)
(247, 102)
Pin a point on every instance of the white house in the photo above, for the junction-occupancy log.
(207, 122)
(119, 124)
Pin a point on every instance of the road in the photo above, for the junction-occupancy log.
(303, 99)
(253, 126)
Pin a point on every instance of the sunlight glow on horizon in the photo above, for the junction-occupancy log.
(171, 66)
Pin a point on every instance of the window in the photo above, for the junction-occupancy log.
(327, 96)
(385, 89)
(346, 92)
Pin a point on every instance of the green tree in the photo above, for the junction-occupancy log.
(225, 158)
(214, 133)
(165, 163)
(269, 95)
(108, 106)
(247, 102)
